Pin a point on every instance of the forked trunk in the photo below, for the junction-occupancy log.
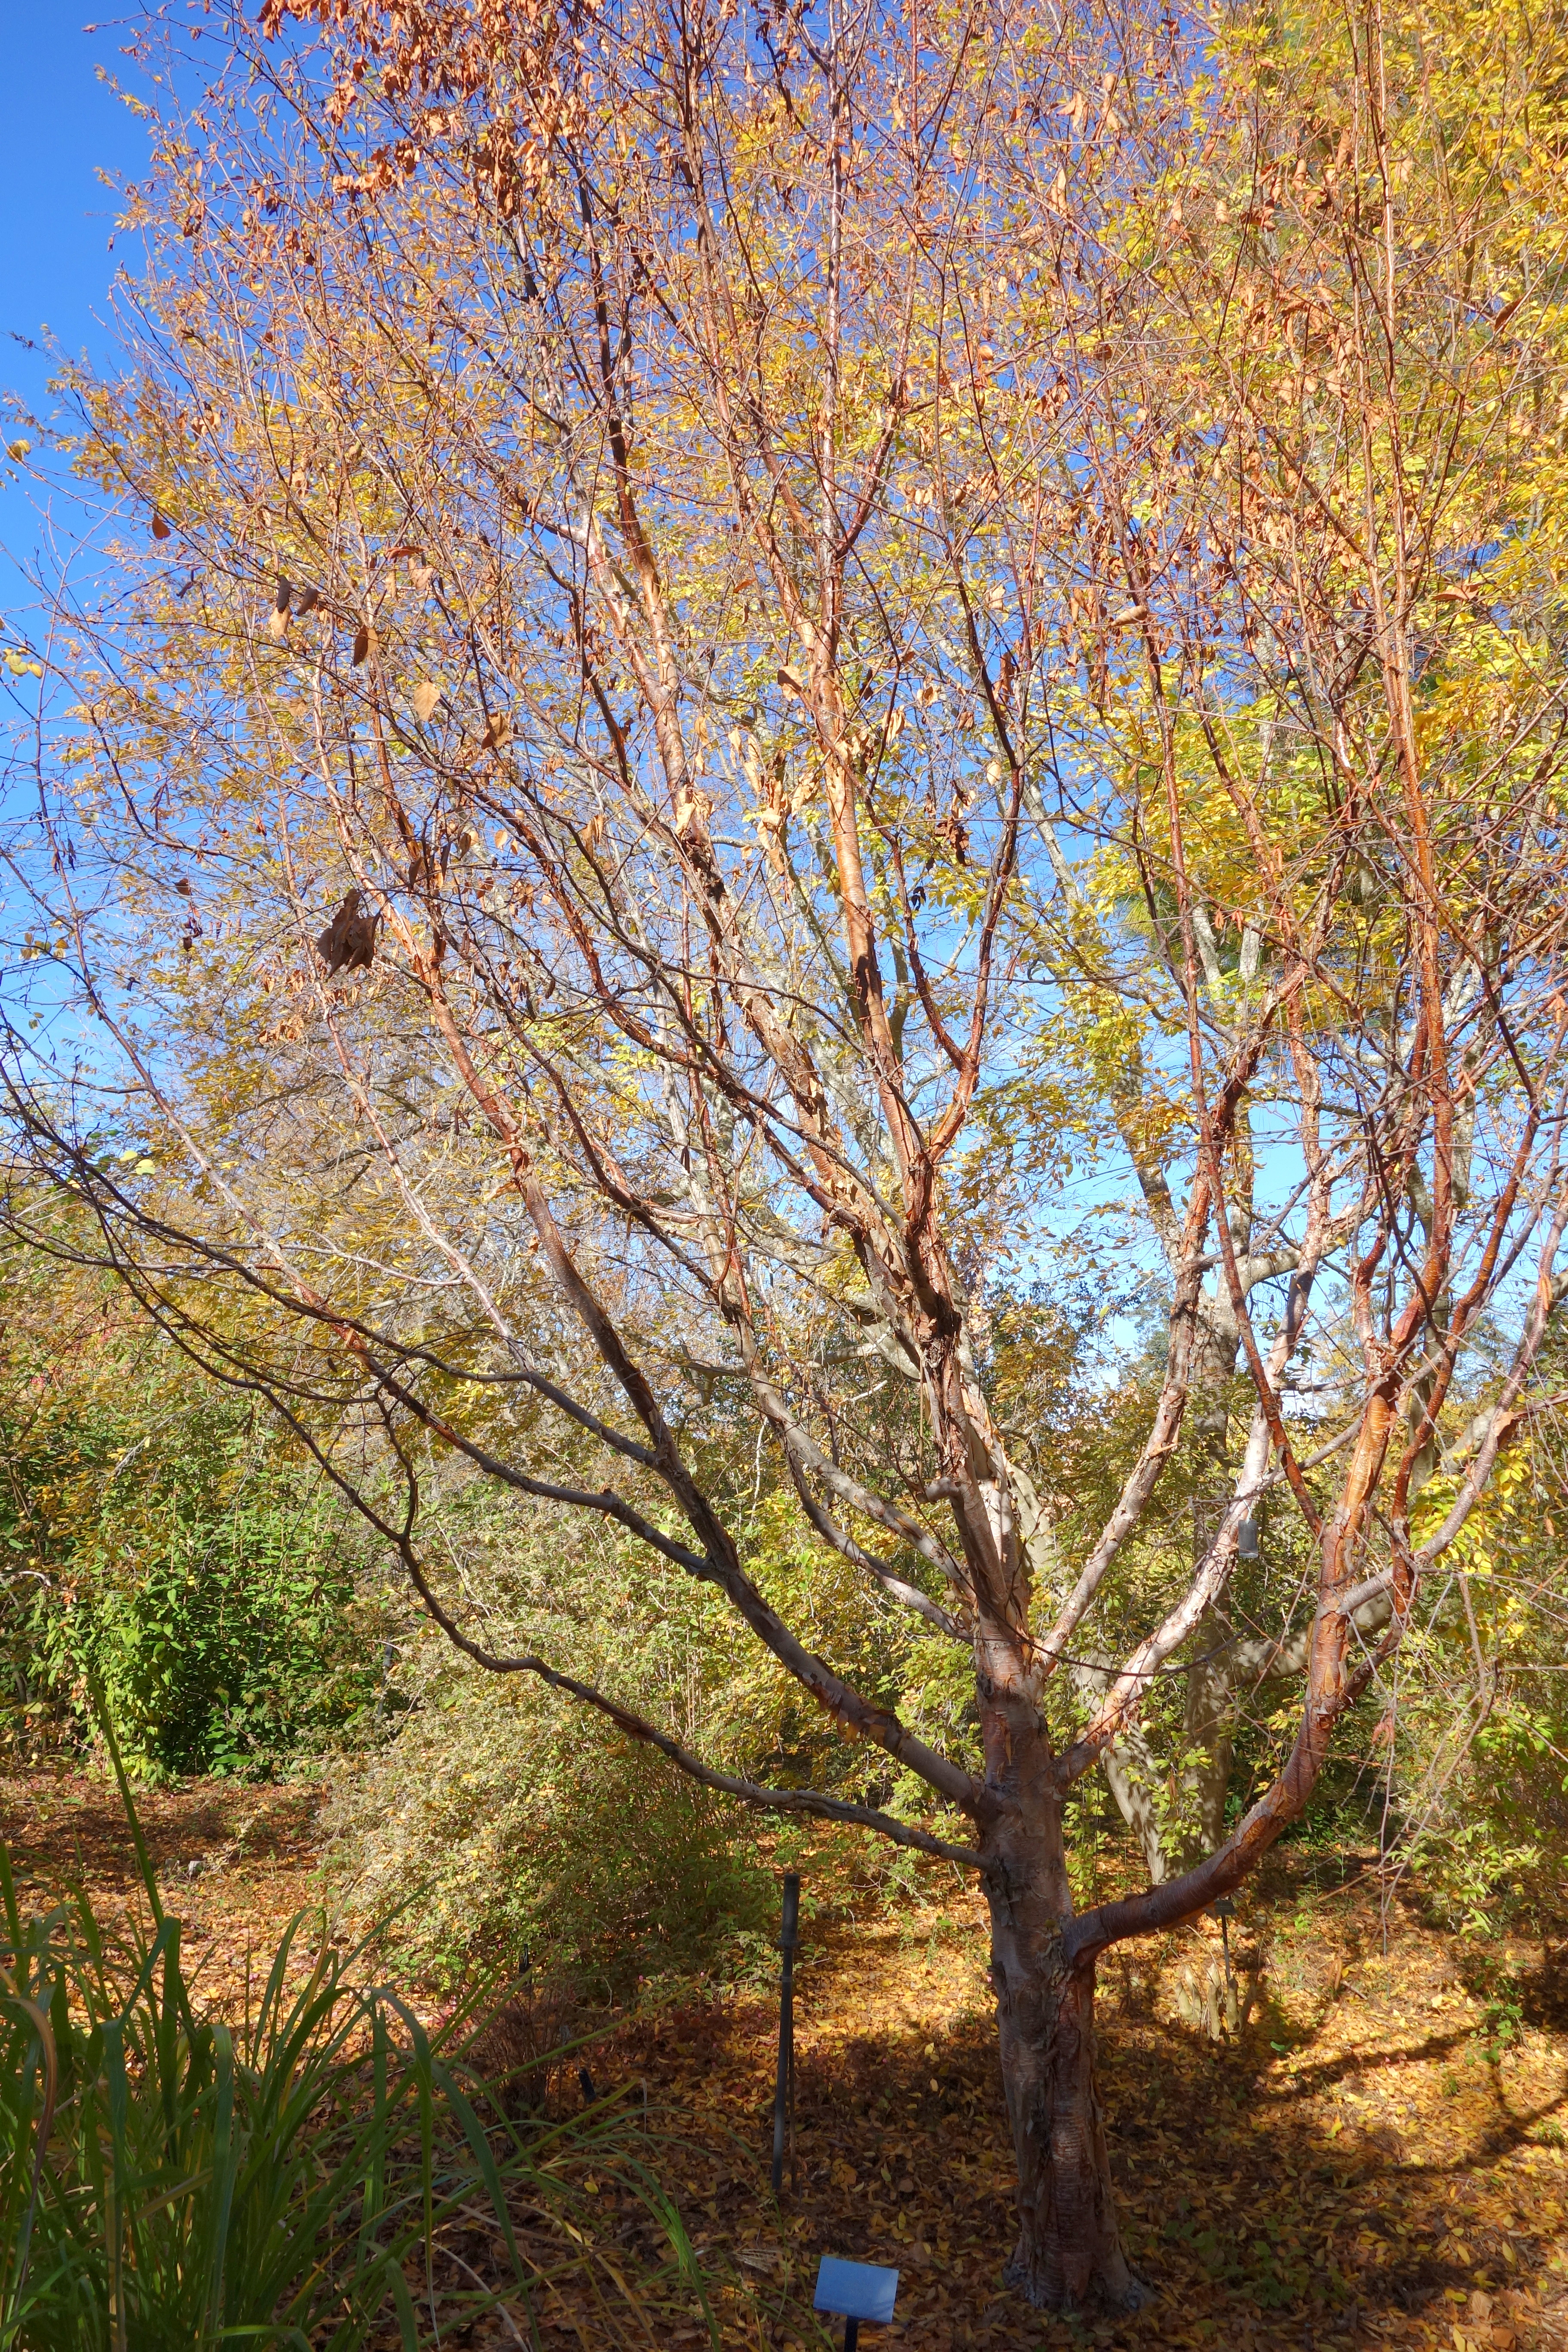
(1068, 2255)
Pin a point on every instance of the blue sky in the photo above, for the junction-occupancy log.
(62, 125)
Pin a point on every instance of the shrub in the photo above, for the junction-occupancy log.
(506, 1819)
(235, 1637)
(510, 1820)
(153, 1533)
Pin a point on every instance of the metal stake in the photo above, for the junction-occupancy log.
(851, 2335)
(783, 2088)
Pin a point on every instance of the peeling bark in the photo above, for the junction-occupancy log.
(1068, 2256)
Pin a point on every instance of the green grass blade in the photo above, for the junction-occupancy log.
(225, 2160)
(145, 1860)
(8, 1896)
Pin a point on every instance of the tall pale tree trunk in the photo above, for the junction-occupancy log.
(1208, 1708)
(1208, 1728)
(1131, 1773)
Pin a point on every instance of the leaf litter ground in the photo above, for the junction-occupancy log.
(1377, 2156)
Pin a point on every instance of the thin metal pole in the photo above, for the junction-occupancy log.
(851, 2335)
(784, 2084)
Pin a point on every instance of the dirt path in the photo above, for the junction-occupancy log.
(1376, 2157)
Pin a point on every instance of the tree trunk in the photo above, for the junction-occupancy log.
(1208, 1728)
(1069, 2253)
(1209, 1731)
(1130, 1773)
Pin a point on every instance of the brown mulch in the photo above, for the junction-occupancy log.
(1377, 2156)
(233, 1863)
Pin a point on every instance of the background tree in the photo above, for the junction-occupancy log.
(875, 606)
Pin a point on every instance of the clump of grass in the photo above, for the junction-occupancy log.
(305, 2176)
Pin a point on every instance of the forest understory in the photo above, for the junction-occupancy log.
(1378, 2154)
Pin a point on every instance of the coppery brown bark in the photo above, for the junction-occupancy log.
(1068, 2255)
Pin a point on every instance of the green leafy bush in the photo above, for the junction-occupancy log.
(155, 1533)
(235, 1637)
(1479, 1742)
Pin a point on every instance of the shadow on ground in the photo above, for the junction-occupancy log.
(1375, 2157)
(1262, 2209)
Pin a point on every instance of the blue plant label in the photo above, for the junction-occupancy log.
(855, 2290)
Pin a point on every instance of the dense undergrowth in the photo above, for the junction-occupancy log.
(158, 1535)
(172, 2177)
